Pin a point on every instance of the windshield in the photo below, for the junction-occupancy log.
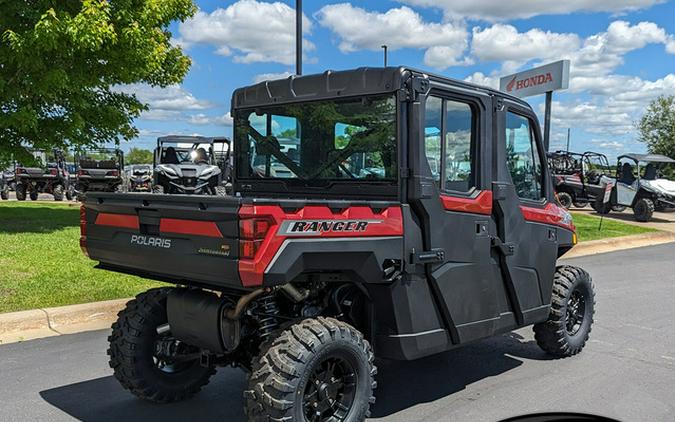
(313, 143)
(182, 153)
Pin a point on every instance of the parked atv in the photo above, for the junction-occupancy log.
(139, 178)
(310, 270)
(7, 182)
(576, 177)
(99, 170)
(46, 174)
(640, 185)
(187, 165)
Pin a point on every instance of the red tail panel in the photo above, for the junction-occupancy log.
(125, 221)
(192, 227)
(312, 221)
(481, 204)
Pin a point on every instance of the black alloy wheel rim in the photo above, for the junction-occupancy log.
(576, 310)
(330, 391)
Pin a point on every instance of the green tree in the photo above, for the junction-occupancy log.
(138, 156)
(657, 126)
(61, 61)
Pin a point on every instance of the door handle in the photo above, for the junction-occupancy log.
(505, 248)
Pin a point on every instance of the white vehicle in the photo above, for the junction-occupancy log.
(640, 185)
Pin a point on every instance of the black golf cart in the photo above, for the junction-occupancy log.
(187, 165)
(99, 170)
(642, 182)
(46, 173)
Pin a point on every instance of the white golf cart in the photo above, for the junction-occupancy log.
(639, 184)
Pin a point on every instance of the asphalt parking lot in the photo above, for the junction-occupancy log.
(626, 372)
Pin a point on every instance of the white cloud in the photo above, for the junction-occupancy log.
(359, 29)
(270, 76)
(479, 78)
(493, 10)
(249, 30)
(170, 98)
(203, 119)
(503, 42)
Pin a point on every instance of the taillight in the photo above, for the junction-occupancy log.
(113, 173)
(21, 171)
(252, 232)
(53, 172)
(83, 231)
(82, 173)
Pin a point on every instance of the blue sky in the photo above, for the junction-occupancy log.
(622, 54)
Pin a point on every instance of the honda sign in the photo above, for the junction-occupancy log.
(540, 80)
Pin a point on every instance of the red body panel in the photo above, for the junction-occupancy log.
(481, 204)
(389, 222)
(126, 221)
(551, 214)
(191, 227)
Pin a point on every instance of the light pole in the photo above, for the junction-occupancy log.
(298, 37)
(384, 47)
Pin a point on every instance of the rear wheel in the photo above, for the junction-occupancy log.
(643, 209)
(20, 192)
(565, 199)
(317, 370)
(33, 195)
(4, 193)
(58, 193)
(571, 317)
(153, 366)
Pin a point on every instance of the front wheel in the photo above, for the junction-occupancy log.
(317, 370)
(4, 193)
(20, 192)
(565, 199)
(571, 317)
(643, 210)
(154, 367)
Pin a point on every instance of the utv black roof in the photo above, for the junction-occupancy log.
(344, 83)
(191, 139)
(648, 158)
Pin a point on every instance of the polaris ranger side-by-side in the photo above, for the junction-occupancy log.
(187, 165)
(46, 174)
(99, 170)
(340, 244)
(639, 185)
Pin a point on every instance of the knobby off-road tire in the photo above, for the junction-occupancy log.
(20, 192)
(4, 193)
(571, 318)
(565, 199)
(33, 195)
(643, 210)
(309, 366)
(132, 353)
(58, 193)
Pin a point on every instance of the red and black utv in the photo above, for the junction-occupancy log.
(341, 244)
(44, 174)
(576, 177)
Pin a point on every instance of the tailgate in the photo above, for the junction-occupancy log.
(180, 238)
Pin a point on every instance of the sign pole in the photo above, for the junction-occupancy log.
(547, 120)
(298, 37)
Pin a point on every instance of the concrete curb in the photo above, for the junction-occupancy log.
(47, 322)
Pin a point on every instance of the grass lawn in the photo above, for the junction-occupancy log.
(41, 264)
(588, 227)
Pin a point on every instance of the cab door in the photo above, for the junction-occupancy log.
(524, 208)
(455, 209)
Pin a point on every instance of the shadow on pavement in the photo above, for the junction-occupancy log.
(400, 385)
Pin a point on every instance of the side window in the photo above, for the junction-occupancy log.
(432, 135)
(523, 157)
(458, 162)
